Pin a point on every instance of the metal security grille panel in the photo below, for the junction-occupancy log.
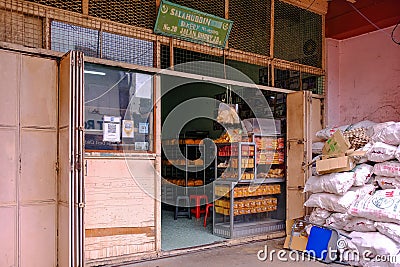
(251, 25)
(250, 70)
(125, 49)
(71, 5)
(214, 7)
(140, 13)
(298, 81)
(298, 35)
(165, 57)
(66, 37)
(21, 29)
(182, 56)
(93, 43)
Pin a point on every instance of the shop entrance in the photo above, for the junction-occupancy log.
(188, 178)
(194, 166)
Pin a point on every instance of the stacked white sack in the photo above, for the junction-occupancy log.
(372, 218)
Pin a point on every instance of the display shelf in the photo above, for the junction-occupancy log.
(249, 228)
(183, 169)
(235, 161)
(270, 159)
(258, 205)
(241, 209)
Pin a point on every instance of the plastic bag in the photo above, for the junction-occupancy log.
(367, 189)
(383, 206)
(362, 159)
(360, 225)
(338, 220)
(332, 202)
(380, 126)
(389, 168)
(318, 216)
(390, 230)
(317, 147)
(388, 182)
(227, 114)
(362, 124)
(335, 183)
(397, 154)
(381, 152)
(389, 135)
(375, 243)
(326, 133)
(362, 173)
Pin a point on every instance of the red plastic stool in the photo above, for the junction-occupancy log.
(208, 206)
(198, 198)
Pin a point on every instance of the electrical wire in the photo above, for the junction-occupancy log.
(123, 77)
(367, 19)
(310, 5)
(392, 35)
(108, 90)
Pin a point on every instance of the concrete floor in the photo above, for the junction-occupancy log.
(239, 255)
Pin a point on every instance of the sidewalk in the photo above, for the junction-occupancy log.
(240, 255)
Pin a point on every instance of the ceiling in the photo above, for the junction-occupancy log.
(343, 21)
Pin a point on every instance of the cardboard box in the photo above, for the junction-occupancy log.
(337, 144)
(339, 164)
(294, 242)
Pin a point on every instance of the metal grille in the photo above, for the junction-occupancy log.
(93, 43)
(214, 7)
(165, 57)
(71, 5)
(313, 83)
(66, 37)
(184, 56)
(20, 28)
(126, 49)
(250, 70)
(298, 35)
(299, 80)
(140, 13)
(251, 25)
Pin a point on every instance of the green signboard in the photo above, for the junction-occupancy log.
(192, 25)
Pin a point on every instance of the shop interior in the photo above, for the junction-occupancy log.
(198, 157)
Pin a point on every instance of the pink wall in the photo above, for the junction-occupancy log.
(363, 79)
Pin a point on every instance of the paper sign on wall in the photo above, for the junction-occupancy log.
(143, 127)
(111, 129)
(141, 146)
(127, 129)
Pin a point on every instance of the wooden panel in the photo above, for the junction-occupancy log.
(318, 6)
(8, 162)
(8, 244)
(295, 138)
(98, 232)
(38, 92)
(119, 214)
(85, 7)
(111, 182)
(295, 154)
(316, 118)
(97, 248)
(8, 88)
(295, 201)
